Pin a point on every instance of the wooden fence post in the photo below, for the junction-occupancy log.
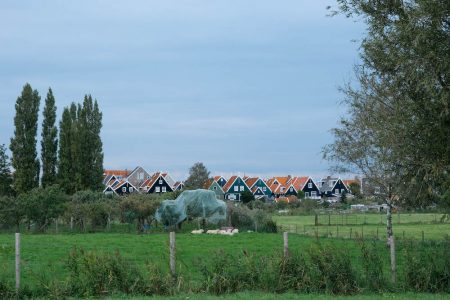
(351, 233)
(285, 244)
(337, 231)
(71, 223)
(329, 219)
(393, 262)
(172, 250)
(17, 262)
(377, 233)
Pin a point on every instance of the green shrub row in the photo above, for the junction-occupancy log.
(321, 269)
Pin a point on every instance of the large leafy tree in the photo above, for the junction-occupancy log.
(65, 154)
(5, 173)
(397, 130)
(49, 142)
(198, 175)
(23, 144)
(81, 148)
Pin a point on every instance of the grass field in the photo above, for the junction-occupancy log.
(342, 225)
(44, 256)
(289, 296)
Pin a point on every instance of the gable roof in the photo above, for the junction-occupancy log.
(123, 173)
(121, 183)
(299, 182)
(250, 181)
(152, 180)
(230, 183)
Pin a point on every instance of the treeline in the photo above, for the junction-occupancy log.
(74, 161)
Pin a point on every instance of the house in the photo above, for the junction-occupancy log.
(254, 183)
(234, 187)
(279, 186)
(216, 188)
(332, 187)
(121, 188)
(157, 183)
(138, 176)
(258, 193)
(178, 186)
(220, 180)
(169, 179)
(119, 174)
(307, 185)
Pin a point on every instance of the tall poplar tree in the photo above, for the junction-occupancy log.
(65, 155)
(49, 143)
(5, 173)
(23, 144)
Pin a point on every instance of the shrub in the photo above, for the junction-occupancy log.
(101, 274)
(331, 270)
(428, 268)
(372, 264)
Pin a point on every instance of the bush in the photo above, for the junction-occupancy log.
(331, 271)
(93, 274)
(428, 268)
(372, 264)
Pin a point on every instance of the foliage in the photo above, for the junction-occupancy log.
(101, 274)
(49, 142)
(198, 176)
(247, 196)
(300, 194)
(5, 173)
(398, 127)
(140, 209)
(355, 190)
(42, 205)
(23, 144)
(332, 271)
(81, 149)
(373, 267)
(428, 270)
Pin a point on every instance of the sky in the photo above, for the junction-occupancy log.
(246, 87)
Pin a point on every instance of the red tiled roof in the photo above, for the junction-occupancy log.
(250, 181)
(299, 182)
(149, 182)
(229, 183)
(347, 182)
(207, 184)
(217, 178)
(123, 173)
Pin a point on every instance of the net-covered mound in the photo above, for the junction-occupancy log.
(192, 204)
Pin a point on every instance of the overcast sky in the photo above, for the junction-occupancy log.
(243, 86)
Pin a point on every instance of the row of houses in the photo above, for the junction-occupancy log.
(279, 186)
(123, 182)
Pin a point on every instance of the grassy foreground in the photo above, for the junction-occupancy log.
(45, 256)
(289, 296)
(409, 226)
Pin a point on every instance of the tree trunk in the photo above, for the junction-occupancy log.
(389, 230)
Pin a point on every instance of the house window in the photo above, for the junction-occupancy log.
(215, 188)
(157, 190)
(242, 188)
(336, 191)
(282, 189)
(160, 181)
(313, 194)
(131, 189)
(306, 194)
(236, 188)
(164, 189)
(264, 189)
(309, 185)
(124, 189)
(141, 175)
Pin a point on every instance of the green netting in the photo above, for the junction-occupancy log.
(192, 204)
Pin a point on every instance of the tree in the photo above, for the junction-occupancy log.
(81, 148)
(23, 144)
(43, 205)
(66, 163)
(5, 173)
(355, 190)
(247, 197)
(49, 143)
(198, 175)
(300, 194)
(397, 129)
